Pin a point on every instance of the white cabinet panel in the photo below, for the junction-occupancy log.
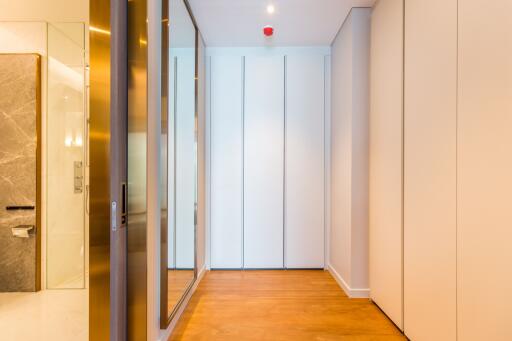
(484, 171)
(430, 112)
(185, 159)
(304, 168)
(385, 207)
(264, 162)
(226, 161)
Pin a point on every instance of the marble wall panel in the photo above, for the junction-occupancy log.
(19, 117)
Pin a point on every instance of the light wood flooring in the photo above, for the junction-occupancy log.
(177, 282)
(279, 305)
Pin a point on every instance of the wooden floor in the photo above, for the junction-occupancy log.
(177, 282)
(279, 305)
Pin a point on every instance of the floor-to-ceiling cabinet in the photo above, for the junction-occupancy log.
(226, 170)
(267, 155)
(457, 109)
(484, 168)
(263, 162)
(385, 153)
(430, 112)
(304, 161)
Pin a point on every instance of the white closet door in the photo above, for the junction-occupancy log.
(484, 185)
(226, 161)
(304, 168)
(385, 178)
(430, 112)
(264, 162)
(185, 159)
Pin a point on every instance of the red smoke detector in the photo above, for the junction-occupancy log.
(268, 31)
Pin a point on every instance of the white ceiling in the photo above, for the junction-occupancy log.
(182, 32)
(296, 22)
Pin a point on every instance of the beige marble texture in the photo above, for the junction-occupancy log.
(18, 146)
(48, 315)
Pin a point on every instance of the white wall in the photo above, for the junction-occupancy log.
(47, 10)
(349, 153)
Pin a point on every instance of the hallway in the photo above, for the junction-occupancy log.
(279, 305)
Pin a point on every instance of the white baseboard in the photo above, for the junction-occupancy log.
(351, 292)
(165, 334)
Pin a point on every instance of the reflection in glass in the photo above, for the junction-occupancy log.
(182, 154)
(66, 170)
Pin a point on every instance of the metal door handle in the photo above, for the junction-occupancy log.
(20, 207)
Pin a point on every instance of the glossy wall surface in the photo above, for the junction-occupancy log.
(137, 170)
(99, 244)
(20, 172)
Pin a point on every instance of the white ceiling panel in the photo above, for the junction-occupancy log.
(296, 22)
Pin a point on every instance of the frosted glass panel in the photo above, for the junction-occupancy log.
(65, 157)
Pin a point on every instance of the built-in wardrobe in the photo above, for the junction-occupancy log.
(440, 165)
(267, 159)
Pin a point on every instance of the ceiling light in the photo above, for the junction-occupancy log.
(271, 9)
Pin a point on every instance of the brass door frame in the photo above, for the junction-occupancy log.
(137, 124)
(99, 142)
(107, 141)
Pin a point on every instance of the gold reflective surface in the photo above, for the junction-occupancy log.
(137, 164)
(99, 238)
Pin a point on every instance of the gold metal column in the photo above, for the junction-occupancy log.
(99, 140)
(137, 166)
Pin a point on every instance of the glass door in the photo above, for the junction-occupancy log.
(66, 164)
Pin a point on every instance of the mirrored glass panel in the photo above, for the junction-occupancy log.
(182, 151)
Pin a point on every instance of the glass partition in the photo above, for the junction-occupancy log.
(66, 168)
